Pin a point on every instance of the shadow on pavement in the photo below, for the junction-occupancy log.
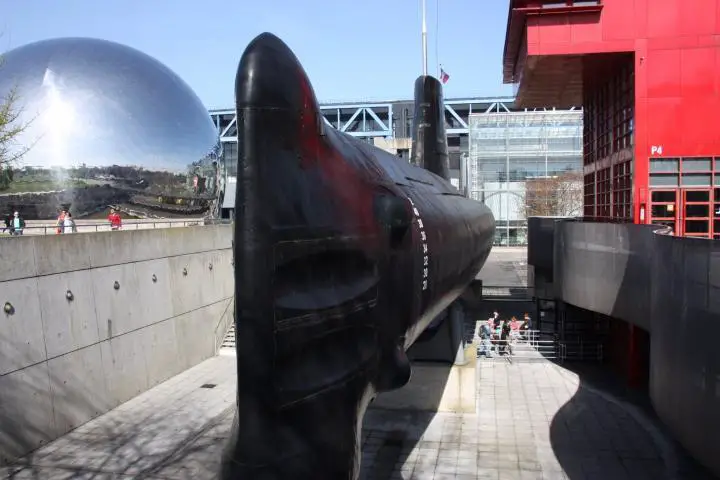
(150, 439)
(607, 431)
(402, 430)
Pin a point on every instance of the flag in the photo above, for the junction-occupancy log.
(444, 77)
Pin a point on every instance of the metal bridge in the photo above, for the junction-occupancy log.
(390, 119)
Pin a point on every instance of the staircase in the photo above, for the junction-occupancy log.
(532, 346)
(228, 344)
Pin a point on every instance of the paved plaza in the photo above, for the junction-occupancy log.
(505, 267)
(534, 421)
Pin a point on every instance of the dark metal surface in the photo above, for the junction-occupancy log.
(345, 254)
(105, 124)
(429, 143)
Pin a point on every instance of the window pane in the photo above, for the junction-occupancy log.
(658, 180)
(696, 165)
(663, 165)
(697, 226)
(697, 211)
(696, 179)
(697, 196)
(663, 196)
(663, 211)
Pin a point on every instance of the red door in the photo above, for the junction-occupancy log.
(716, 214)
(664, 208)
(697, 212)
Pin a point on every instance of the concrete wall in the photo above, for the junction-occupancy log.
(540, 254)
(669, 286)
(144, 305)
(605, 268)
(684, 353)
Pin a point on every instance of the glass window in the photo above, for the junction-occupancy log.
(517, 236)
(663, 211)
(664, 196)
(663, 180)
(230, 157)
(696, 164)
(562, 164)
(697, 226)
(525, 167)
(697, 211)
(696, 179)
(663, 165)
(697, 195)
(492, 170)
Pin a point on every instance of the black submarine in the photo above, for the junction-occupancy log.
(344, 255)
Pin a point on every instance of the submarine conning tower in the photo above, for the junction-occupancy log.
(429, 141)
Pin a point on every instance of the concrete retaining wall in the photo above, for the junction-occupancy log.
(684, 353)
(669, 286)
(605, 268)
(96, 319)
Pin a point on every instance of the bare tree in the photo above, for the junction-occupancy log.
(11, 126)
(560, 195)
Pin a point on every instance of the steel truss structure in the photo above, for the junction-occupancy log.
(381, 119)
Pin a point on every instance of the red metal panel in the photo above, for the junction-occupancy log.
(697, 72)
(662, 17)
(640, 16)
(697, 17)
(661, 126)
(619, 23)
(553, 29)
(663, 73)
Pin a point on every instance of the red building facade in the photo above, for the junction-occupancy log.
(647, 73)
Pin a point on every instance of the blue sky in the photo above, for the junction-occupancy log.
(359, 50)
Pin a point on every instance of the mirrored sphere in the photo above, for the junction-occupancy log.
(104, 126)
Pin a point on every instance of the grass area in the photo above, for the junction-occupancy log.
(21, 186)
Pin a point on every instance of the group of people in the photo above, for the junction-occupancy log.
(14, 224)
(497, 335)
(65, 223)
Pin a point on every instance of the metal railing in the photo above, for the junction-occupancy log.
(537, 345)
(506, 292)
(527, 345)
(47, 228)
(581, 350)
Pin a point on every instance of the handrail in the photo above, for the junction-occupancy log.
(82, 227)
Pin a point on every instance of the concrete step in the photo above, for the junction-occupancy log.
(229, 340)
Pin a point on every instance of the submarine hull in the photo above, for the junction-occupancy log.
(344, 254)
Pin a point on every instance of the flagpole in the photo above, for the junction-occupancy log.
(437, 36)
(424, 39)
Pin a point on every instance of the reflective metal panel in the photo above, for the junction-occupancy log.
(107, 125)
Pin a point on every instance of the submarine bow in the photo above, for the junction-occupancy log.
(344, 254)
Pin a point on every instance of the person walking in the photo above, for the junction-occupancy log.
(69, 224)
(505, 337)
(485, 344)
(18, 224)
(115, 220)
(60, 225)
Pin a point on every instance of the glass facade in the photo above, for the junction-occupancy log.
(517, 157)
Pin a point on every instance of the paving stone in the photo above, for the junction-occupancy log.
(534, 421)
